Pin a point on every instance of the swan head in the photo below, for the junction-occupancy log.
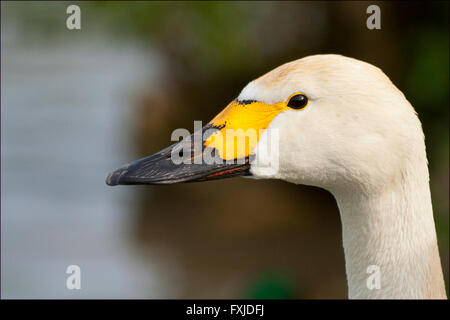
(324, 120)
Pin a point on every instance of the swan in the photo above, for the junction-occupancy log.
(339, 124)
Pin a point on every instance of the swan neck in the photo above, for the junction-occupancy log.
(389, 241)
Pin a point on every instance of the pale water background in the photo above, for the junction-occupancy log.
(65, 103)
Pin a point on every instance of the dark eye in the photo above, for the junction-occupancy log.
(298, 101)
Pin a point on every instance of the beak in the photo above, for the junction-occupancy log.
(180, 163)
(223, 148)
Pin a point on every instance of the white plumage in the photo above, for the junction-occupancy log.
(360, 139)
(357, 137)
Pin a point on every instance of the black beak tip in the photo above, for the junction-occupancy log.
(114, 176)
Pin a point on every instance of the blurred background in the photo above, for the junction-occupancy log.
(77, 103)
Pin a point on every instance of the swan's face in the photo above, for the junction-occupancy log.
(356, 128)
(324, 120)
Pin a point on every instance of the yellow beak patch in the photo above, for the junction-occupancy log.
(241, 125)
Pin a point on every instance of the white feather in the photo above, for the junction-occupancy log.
(360, 139)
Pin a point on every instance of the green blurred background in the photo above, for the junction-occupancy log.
(234, 238)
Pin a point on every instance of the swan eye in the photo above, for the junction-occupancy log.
(298, 101)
